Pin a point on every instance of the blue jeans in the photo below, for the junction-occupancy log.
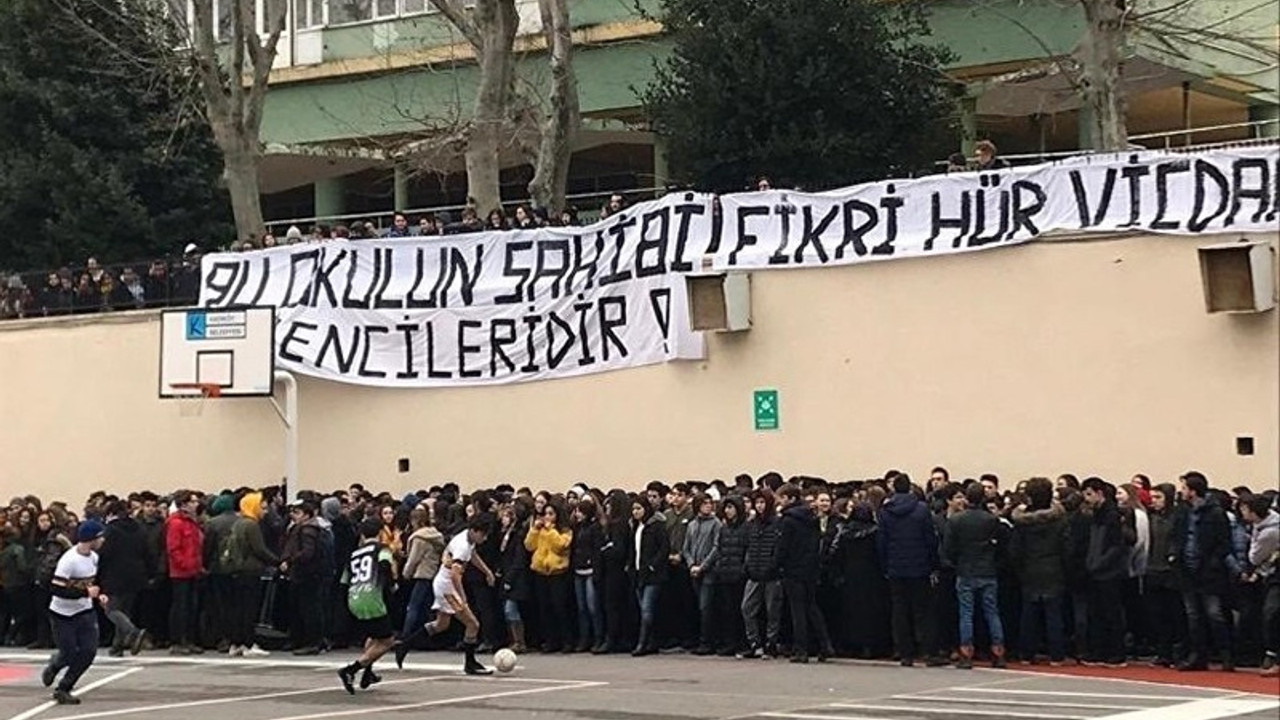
(647, 599)
(420, 601)
(511, 611)
(1046, 611)
(985, 588)
(590, 614)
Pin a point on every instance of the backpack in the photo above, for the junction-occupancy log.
(51, 552)
(231, 549)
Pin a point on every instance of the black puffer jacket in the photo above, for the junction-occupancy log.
(762, 549)
(730, 563)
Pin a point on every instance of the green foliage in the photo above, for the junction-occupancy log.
(100, 154)
(815, 93)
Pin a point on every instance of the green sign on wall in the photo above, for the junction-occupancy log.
(766, 409)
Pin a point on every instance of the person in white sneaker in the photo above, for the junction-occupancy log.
(245, 557)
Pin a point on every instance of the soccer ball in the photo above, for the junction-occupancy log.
(505, 660)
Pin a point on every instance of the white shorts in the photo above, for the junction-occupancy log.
(443, 589)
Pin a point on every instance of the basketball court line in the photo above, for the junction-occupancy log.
(28, 714)
(215, 660)
(437, 703)
(1108, 696)
(332, 687)
(961, 711)
(1210, 709)
(1025, 703)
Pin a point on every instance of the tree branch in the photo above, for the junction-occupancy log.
(458, 16)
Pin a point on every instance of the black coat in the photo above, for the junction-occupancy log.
(654, 552)
(584, 552)
(798, 544)
(908, 538)
(616, 550)
(730, 565)
(1039, 550)
(1213, 538)
(513, 565)
(1107, 557)
(762, 550)
(971, 542)
(122, 561)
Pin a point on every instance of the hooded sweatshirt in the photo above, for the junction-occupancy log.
(700, 539)
(247, 552)
(426, 546)
(1264, 545)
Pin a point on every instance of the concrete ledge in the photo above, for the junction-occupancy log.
(533, 42)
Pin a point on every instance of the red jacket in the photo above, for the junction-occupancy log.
(184, 543)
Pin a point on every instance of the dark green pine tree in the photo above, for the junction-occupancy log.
(814, 93)
(99, 155)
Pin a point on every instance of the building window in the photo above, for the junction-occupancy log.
(350, 11)
(310, 13)
(415, 6)
(385, 8)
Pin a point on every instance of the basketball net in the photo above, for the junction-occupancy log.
(193, 396)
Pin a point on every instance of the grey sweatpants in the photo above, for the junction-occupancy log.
(769, 594)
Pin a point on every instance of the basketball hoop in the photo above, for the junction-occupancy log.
(192, 396)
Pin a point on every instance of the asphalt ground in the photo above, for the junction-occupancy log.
(158, 687)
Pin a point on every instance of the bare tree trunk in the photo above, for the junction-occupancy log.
(491, 30)
(1102, 63)
(234, 110)
(555, 148)
(240, 157)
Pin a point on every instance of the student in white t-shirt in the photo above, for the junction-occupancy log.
(451, 600)
(75, 624)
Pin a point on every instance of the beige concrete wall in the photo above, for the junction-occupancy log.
(1089, 357)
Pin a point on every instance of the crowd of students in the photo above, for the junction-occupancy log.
(950, 573)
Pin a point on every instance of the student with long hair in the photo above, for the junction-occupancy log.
(619, 600)
(588, 536)
(648, 565)
(425, 548)
(513, 569)
(549, 540)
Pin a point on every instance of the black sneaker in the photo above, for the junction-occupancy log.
(62, 697)
(48, 675)
(139, 639)
(116, 652)
(369, 678)
(401, 651)
(348, 678)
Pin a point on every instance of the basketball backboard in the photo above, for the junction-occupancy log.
(233, 349)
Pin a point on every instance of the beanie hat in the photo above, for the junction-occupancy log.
(222, 504)
(89, 531)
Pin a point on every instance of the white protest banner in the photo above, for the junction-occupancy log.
(1189, 194)
(483, 308)
(500, 307)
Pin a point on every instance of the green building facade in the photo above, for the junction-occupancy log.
(358, 79)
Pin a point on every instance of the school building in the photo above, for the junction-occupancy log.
(356, 81)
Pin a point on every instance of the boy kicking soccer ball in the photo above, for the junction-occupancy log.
(451, 601)
(368, 581)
